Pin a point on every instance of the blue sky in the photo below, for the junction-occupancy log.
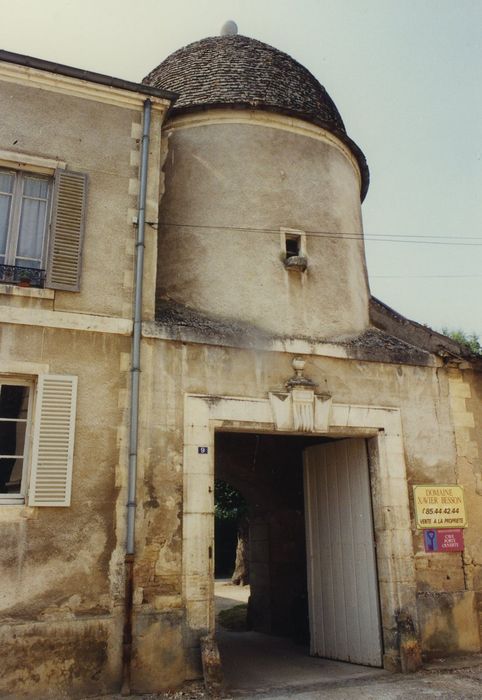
(406, 76)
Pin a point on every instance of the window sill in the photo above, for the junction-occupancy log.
(296, 263)
(32, 292)
(11, 511)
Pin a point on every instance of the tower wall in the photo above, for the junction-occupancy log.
(233, 181)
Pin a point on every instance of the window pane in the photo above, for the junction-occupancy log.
(5, 202)
(13, 401)
(32, 226)
(14, 406)
(11, 475)
(35, 187)
(6, 182)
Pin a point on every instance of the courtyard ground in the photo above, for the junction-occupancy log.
(257, 667)
(454, 679)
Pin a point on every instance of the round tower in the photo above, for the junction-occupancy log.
(260, 221)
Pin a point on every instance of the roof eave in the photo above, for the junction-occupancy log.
(90, 76)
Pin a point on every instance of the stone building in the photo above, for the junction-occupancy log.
(69, 180)
(264, 362)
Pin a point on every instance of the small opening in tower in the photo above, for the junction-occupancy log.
(293, 246)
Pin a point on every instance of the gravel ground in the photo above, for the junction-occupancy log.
(447, 679)
(190, 691)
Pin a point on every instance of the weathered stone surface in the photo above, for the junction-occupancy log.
(448, 623)
(212, 670)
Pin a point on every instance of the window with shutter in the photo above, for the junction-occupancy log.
(67, 230)
(29, 256)
(53, 441)
(15, 400)
(24, 214)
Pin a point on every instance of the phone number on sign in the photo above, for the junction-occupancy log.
(440, 511)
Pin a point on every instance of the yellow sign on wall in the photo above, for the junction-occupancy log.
(438, 506)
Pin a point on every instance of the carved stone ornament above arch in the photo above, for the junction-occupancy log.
(300, 409)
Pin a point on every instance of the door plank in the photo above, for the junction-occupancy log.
(342, 578)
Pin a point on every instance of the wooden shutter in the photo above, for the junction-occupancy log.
(67, 231)
(53, 441)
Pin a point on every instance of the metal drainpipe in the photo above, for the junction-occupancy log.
(134, 406)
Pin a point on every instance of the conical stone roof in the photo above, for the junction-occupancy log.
(241, 72)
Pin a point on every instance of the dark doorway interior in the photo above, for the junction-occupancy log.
(268, 471)
(231, 534)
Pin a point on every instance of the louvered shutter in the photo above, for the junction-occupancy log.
(67, 231)
(53, 441)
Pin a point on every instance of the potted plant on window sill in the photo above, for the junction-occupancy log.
(25, 278)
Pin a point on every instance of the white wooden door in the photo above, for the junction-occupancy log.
(342, 577)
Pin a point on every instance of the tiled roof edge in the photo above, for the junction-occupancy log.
(80, 74)
(387, 319)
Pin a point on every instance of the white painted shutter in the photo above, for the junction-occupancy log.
(53, 441)
(67, 231)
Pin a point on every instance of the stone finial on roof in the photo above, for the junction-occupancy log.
(229, 28)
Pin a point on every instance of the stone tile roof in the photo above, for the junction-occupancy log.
(391, 322)
(190, 324)
(227, 69)
(242, 72)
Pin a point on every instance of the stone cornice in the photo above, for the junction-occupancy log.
(64, 319)
(296, 346)
(75, 87)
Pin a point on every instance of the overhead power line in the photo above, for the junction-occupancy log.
(424, 277)
(347, 235)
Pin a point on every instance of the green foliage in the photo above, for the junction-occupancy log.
(234, 619)
(471, 340)
(229, 503)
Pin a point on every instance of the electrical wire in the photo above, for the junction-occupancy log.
(421, 277)
(420, 239)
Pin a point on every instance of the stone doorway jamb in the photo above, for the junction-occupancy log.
(382, 429)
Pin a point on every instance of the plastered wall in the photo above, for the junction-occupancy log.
(62, 582)
(109, 154)
(429, 436)
(62, 576)
(69, 561)
(229, 189)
